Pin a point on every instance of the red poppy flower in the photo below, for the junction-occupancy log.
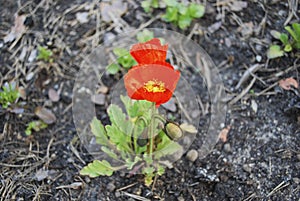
(149, 52)
(154, 82)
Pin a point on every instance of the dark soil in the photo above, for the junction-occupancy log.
(260, 160)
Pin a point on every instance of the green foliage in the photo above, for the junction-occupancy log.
(8, 95)
(98, 168)
(149, 4)
(119, 141)
(178, 13)
(35, 126)
(288, 43)
(44, 54)
(145, 36)
(124, 60)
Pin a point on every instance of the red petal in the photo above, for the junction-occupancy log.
(149, 52)
(139, 75)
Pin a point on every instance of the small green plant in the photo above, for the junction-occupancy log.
(148, 5)
(178, 13)
(122, 140)
(145, 36)
(44, 54)
(8, 95)
(288, 43)
(124, 59)
(35, 126)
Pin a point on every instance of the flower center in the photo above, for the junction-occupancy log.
(154, 86)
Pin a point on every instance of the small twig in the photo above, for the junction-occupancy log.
(137, 197)
(277, 188)
(126, 187)
(247, 74)
(238, 97)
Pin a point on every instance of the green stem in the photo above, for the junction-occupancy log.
(151, 129)
(135, 133)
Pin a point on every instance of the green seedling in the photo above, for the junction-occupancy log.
(45, 54)
(8, 95)
(288, 43)
(122, 142)
(124, 60)
(145, 36)
(148, 5)
(35, 126)
(178, 13)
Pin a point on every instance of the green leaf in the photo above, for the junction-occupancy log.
(171, 14)
(155, 4)
(36, 126)
(275, 34)
(297, 45)
(284, 38)
(296, 28)
(124, 57)
(119, 138)
(184, 21)
(196, 10)
(146, 5)
(160, 170)
(99, 132)
(44, 54)
(166, 146)
(109, 152)
(98, 168)
(113, 68)
(145, 36)
(118, 118)
(291, 31)
(8, 95)
(120, 51)
(288, 48)
(130, 163)
(148, 179)
(171, 3)
(274, 51)
(182, 9)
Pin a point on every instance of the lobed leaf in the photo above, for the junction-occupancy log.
(99, 132)
(196, 10)
(98, 168)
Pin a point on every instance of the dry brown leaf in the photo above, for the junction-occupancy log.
(44, 114)
(223, 134)
(17, 30)
(287, 83)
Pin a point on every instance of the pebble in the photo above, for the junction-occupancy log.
(296, 180)
(180, 198)
(227, 148)
(247, 168)
(192, 155)
(258, 58)
(298, 157)
(117, 194)
(170, 105)
(111, 186)
(99, 99)
(29, 76)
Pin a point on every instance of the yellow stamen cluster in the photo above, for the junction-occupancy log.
(154, 86)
